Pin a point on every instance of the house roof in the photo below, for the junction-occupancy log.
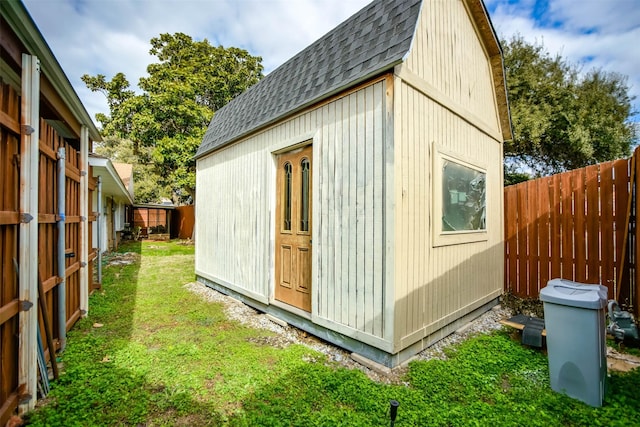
(112, 184)
(125, 172)
(373, 40)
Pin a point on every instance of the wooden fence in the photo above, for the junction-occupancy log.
(48, 215)
(9, 234)
(578, 225)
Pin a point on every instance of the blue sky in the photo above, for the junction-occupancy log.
(110, 36)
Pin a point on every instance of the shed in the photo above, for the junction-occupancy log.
(46, 213)
(356, 191)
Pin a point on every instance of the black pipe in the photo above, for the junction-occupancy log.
(393, 411)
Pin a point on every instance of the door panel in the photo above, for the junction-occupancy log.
(293, 228)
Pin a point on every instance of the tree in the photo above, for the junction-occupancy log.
(146, 187)
(190, 81)
(562, 119)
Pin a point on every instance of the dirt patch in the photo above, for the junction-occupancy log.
(126, 258)
(617, 361)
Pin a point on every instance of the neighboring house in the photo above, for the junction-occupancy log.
(46, 215)
(356, 191)
(114, 201)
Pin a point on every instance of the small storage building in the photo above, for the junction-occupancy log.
(356, 191)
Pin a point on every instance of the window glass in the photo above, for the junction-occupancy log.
(304, 195)
(286, 203)
(463, 198)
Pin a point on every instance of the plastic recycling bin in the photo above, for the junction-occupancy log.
(574, 315)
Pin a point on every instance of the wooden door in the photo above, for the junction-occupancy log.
(293, 229)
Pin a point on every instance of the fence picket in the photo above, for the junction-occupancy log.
(572, 225)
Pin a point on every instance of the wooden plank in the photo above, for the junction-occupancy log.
(9, 218)
(51, 283)
(607, 237)
(622, 169)
(532, 234)
(544, 229)
(518, 326)
(566, 224)
(511, 238)
(9, 122)
(555, 232)
(523, 223)
(579, 221)
(593, 224)
(9, 310)
(48, 151)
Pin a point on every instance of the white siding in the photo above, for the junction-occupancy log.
(436, 285)
(447, 54)
(236, 198)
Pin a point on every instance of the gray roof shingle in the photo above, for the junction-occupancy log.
(371, 41)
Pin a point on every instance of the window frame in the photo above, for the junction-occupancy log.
(446, 238)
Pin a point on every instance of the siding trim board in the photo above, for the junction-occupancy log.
(430, 91)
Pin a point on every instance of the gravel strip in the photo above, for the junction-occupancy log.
(242, 313)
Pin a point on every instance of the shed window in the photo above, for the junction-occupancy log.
(286, 205)
(463, 198)
(304, 195)
(460, 199)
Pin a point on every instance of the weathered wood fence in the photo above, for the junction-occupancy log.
(579, 225)
(48, 216)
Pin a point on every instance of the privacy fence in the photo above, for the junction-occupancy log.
(57, 314)
(579, 225)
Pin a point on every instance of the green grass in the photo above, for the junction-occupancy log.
(165, 357)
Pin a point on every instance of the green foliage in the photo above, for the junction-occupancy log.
(563, 119)
(164, 356)
(167, 121)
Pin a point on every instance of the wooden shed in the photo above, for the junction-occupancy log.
(46, 213)
(356, 191)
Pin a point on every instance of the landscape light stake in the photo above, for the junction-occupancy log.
(393, 411)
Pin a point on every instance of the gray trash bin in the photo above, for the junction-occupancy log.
(574, 315)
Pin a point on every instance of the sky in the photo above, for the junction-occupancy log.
(110, 36)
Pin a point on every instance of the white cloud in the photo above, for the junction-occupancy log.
(110, 36)
(592, 33)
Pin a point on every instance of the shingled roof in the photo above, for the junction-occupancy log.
(373, 40)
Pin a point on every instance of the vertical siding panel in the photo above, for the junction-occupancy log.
(368, 208)
(323, 254)
(353, 194)
(360, 211)
(338, 199)
(330, 201)
(378, 206)
(347, 196)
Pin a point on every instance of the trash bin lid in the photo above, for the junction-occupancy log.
(574, 294)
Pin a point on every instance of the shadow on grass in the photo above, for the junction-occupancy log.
(104, 381)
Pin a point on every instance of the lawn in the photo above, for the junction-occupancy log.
(151, 353)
